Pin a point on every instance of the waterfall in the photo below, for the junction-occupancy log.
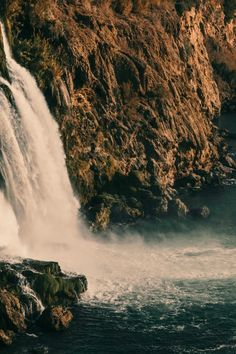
(32, 160)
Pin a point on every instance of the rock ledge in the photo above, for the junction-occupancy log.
(36, 292)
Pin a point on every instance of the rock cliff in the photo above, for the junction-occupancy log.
(135, 86)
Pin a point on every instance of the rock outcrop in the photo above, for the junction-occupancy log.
(134, 86)
(55, 318)
(35, 290)
(6, 337)
(12, 312)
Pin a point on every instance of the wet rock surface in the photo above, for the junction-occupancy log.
(134, 86)
(12, 312)
(55, 318)
(6, 337)
(29, 288)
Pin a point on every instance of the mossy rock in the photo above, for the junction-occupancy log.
(56, 289)
(45, 279)
(43, 266)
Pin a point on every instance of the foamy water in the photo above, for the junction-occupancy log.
(133, 271)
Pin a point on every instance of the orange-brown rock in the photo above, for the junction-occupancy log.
(55, 318)
(6, 337)
(134, 86)
(12, 312)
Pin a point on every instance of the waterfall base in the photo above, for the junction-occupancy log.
(27, 288)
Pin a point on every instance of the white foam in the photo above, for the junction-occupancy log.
(8, 227)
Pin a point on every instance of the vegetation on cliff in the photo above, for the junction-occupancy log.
(134, 86)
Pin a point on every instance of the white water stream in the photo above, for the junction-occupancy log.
(32, 162)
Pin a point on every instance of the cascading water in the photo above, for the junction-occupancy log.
(32, 159)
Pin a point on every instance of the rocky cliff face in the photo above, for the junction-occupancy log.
(134, 86)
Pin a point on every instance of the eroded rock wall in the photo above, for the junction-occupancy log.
(134, 86)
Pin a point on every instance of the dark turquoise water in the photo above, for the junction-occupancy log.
(169, 292)
(187, 325)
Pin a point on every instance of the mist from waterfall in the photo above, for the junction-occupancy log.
(32, 161)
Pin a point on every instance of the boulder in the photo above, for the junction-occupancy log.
(43, 266)
(11, 312)
(26, 287)
(177, 208)
(202, 212)
(46, 281)
(56, 289)
(6, 337)
(55, 318)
